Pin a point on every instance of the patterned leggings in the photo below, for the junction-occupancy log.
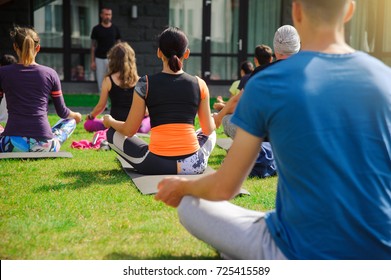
(135, 151)
(61, 132)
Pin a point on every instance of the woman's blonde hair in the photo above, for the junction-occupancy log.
(26, 40)
(122, 59)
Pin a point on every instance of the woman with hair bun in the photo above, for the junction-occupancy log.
(28, 86)
(173, 99)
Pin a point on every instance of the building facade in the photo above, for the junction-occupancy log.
(222, 33)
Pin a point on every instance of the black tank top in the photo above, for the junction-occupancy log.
(172, 98)
(121, 101)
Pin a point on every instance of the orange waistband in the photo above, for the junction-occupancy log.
(173, 140)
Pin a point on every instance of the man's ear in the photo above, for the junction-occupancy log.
(297, 16)
(186, 54)
(350, 12)
(159, 53)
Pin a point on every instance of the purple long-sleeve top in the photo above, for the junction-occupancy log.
(28, 89)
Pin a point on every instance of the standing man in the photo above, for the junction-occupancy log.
(103, 37)
(327, 113)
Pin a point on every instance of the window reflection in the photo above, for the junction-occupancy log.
(225, 26)
(224, 39)
(84, 15)
(53, 60)
(48, 22)
(386, 31)
(193, 65)
(263, 20)
(224, 68)
(80, 70)
(363, 26)
(187, 15)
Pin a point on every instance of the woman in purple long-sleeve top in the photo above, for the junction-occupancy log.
(28, 86)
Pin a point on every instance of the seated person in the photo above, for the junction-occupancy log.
(6, 59)
(246, 68)
(263, 56)
(118, 85)
(334, 194)
(286, 42)
(78, 73)
(173, 99)
(28, 86)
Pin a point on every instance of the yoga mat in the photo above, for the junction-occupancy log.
(224, 143)
(36, 155)
(147, 184)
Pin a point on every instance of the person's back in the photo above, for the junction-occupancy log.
(120, 100)
(118, 86)
(338, 126)
(327, 113)
(173, 98)
(6, 59)
(28, 86)
(173, 102)
(27, 95)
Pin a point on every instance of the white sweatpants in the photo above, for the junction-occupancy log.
(101, 70)
(236, 232)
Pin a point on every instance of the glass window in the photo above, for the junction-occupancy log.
(224, 39)
(264, 18)
(224, 68)
(192, 65)
(363, 26)
(187, 15)
(386, 30)
(53, 60)
(80, 70)
(84, 16)
(387, 60)
(48, 22)
(225, 22)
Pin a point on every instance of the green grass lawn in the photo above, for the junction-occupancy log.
(83, 100)
(86, 207)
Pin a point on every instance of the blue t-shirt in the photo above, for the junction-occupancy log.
(328, 118)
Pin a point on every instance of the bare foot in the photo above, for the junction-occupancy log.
(218, 106)
(220, 99)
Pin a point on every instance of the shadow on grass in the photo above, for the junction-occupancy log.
(123, 256)
(85, 179)
(216, 160)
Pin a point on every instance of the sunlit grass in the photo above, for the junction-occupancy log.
(86, 207)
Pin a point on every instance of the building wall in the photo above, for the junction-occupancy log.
(141, 33)
(14, 11)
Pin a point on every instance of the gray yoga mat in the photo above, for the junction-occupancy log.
(224, 143)
(147, 184)
(36, 155)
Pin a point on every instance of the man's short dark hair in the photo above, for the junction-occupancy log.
(263, 53)
(7, 59)
(324, 10)
(247, 67)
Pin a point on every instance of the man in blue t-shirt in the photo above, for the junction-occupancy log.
(327, 113)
